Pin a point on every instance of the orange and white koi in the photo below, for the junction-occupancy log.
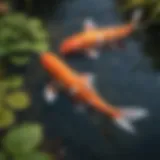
(80, 87)
(94, 36)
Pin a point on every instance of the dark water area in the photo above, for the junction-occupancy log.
(114, 81)
(152, 46)
(36, 7)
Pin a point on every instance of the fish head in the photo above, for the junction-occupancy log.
(70, 46)
(49, 61)
(45, 58)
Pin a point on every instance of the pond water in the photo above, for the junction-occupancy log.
(114, 81)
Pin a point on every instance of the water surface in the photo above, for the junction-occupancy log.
(114, 81)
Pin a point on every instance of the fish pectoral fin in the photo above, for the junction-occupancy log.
(92, 53)
(50, 93)
(88, 78)
(89, 24)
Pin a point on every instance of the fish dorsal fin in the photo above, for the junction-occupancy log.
(88, 79)
(89, 24)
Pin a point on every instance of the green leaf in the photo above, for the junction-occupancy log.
(15, 82)
(3, 52)
(7, 117)
(41, 47)
(34, 156)
(18, 100)
(21, 34)
(3, 156)
(3, 89)
(23, 139)
(19, 61)
(34, 23)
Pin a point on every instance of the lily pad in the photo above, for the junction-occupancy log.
(23, 139)
(7, 118)
(15, 82)
(34, 156)
(18, 100)
(21, 34)
(3, 88)
(19, 61)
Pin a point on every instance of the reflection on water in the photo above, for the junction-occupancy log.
(114, 81)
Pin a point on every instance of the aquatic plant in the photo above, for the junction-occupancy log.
(18, 100)
(7, 117)
(130, 4)
(149, 26)
(9, 83)
(23, 139)
(21, 35)
(19, 61)
(15, 81)
(151, 7)
(21, 143)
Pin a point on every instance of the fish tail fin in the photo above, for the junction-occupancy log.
(128, 115)
(136, 17)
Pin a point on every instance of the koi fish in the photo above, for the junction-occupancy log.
(80, 86)
(94, 37)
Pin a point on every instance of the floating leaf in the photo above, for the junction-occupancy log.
(15, 82)
(19, 60)
(3, 89)
(18, 100)
(2, 156)
(23, 139)
(2, 51)
(7, 117)
(21, 34)
(34, 156)
(41, 47)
